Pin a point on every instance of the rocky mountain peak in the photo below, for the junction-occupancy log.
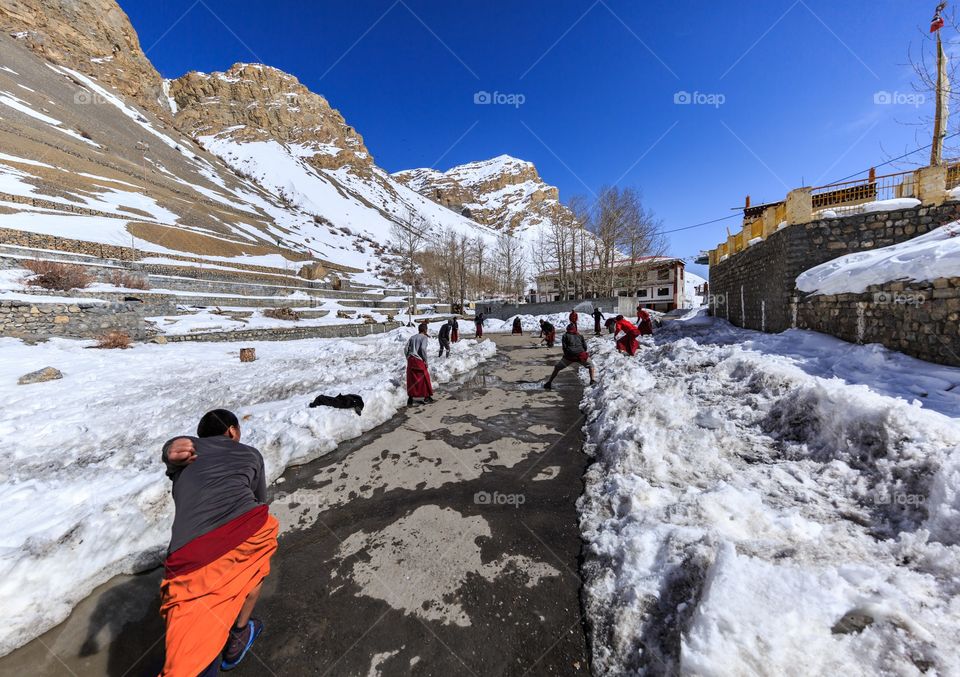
(254, 102)
(94, 37)
(504, 192)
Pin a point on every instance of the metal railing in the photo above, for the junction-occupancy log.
(847, 197)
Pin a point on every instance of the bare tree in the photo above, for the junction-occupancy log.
(408, 237)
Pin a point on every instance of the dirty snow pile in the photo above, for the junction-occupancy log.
(85, 496)
(924, 258)
(771, 505)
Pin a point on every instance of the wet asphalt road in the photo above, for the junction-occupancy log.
(443, 542)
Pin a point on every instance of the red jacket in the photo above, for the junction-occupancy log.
(626, 327)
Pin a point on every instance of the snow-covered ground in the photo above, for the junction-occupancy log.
(85, 497)
(771, 504)
(927, 257)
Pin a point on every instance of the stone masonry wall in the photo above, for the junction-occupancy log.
(290, 333)
(920, 319)
(507, 310)
(756, 289)
(24, 319)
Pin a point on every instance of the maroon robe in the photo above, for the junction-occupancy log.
(418, 378)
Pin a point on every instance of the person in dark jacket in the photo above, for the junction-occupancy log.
(517, 327)
(444, 337)
(548, 333)
(220, 549)
(478, 322)
(597, 319)
(574, 352)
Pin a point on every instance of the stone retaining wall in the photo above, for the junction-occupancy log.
(919, 319)
(756, 288)
(24, 238)
(507, 310)
(23, 319)
(290, 333)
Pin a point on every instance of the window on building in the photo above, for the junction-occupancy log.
(663, 291)
(663, 274)
(642, 293)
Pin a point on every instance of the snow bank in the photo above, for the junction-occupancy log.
(85, 497)
(746, 516)
(926, 257)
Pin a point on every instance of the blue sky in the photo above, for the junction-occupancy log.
(788, 87)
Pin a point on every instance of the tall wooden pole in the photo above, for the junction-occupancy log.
(941, 113)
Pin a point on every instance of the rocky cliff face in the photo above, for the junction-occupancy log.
(504, 193)
(94, 37)
(253, 102)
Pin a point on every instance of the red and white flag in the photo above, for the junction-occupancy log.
(937, 22)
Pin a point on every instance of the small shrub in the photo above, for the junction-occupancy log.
(121, 278)
(58, 276)
(114, 339)
(282, 314)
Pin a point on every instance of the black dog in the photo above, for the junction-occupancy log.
(354, 402)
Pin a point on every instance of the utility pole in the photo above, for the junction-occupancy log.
(943, 91)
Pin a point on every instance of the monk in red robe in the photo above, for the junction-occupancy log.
(628, 342)
(517, 328)
(644, 321)
(574, 317)
(418, 376)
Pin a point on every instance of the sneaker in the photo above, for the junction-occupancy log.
(409, 401)
(593, 383)
(239, 643)
(548, 386)
(429, 400)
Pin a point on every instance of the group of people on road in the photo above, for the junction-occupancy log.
(223, 535)
(573, 344)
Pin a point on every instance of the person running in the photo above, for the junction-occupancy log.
(574, 352)
(597, 319)
(418, 376)
(455, 334)
(444, 336)
(478, 322)
(548, 333)
(644, 321)
(222, 540)
(628, 342)
(574, 317)
(517, 327)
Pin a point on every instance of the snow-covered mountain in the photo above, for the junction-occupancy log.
(246, 165)
(270, 128)
(504, 193)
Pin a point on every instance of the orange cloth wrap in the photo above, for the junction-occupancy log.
(201, 606)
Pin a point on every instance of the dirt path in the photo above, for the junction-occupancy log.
(443, 542)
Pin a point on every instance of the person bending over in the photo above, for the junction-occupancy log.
(220, 549)
(574, 352)
(548, 333)
(628, 342)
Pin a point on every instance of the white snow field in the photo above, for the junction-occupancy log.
(85, 496)
(771, 505)
(926, 257)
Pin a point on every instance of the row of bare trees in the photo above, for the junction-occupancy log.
(584, 246)
(455, 267)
